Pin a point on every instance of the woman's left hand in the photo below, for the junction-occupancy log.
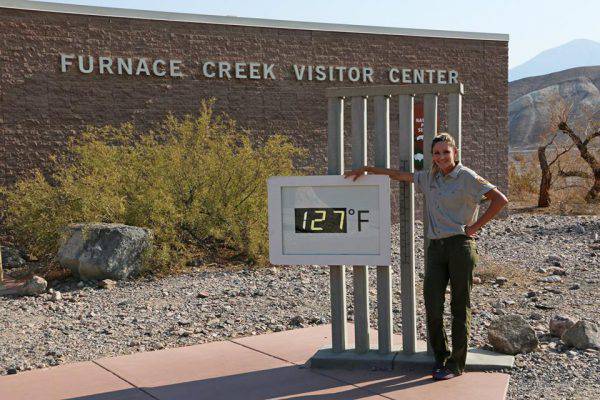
(470, 231)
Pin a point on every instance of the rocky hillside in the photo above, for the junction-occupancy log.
(531, 102)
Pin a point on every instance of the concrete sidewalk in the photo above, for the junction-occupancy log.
(268, 366)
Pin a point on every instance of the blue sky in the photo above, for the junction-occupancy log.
(533, 25)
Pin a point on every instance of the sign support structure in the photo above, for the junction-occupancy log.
(387, 355)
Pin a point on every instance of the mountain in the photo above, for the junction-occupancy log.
(576, 53)
(532, 102)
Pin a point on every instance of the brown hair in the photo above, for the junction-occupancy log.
(443, 137)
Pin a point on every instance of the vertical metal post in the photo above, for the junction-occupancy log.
(455, 119)
(430, 123)
(337, 273)
(360, 272)
(407, 225)
(384, 272)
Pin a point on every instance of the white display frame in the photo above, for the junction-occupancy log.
(276, 254)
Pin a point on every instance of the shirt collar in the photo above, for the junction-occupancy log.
(454, 173)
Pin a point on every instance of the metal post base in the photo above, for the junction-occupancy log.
(477, 360)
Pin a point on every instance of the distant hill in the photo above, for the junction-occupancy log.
(576, 53)
(531, 101)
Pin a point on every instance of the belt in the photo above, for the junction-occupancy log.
(450, 239)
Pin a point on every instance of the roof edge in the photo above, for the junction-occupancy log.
(241, 21)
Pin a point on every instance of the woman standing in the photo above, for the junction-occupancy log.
(453, 194)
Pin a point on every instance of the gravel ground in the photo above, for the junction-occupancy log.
(210, 304)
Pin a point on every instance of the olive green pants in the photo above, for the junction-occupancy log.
(452, 259)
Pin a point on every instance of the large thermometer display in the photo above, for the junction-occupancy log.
(320, 220)
(329, 220)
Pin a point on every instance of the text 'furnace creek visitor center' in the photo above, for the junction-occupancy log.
(65, 67)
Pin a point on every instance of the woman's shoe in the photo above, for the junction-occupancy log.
(437, 367)
(444, 374)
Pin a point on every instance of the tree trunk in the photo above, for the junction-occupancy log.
(593, 196)
(546, 182)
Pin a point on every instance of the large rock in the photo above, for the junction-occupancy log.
(511, 334)
(34, 286)
(583, 335)
(559, 324)
(101, 251)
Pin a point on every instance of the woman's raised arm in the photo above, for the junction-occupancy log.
(392, 173)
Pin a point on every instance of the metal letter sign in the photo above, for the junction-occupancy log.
(329, 220)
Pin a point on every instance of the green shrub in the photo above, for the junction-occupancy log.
(197, 182)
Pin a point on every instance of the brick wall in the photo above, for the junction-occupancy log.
(40, 107)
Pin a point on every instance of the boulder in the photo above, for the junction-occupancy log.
(104, 251)
(11, 258)
(34, 286)
(559, 324)
(511, 334)
(583, 335)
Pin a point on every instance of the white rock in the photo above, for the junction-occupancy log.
(551, 279)
(56, 296)
(108, 284)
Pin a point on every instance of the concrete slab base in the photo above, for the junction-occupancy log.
(372, 360)
(485, 360)
(477, 360)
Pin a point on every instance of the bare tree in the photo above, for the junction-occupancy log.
(560, 112)
(546, 180)
(582, 141)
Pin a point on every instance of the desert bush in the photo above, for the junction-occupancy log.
(198, 182)
(523, 177)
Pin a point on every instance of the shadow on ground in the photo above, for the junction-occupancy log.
(295, 382)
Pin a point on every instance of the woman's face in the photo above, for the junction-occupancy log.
(444, 156)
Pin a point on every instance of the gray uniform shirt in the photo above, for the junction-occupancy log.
(452, 200)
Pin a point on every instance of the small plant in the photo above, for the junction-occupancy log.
(197, 182)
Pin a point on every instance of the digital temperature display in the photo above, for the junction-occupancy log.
(329, 220)
(320, 220)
